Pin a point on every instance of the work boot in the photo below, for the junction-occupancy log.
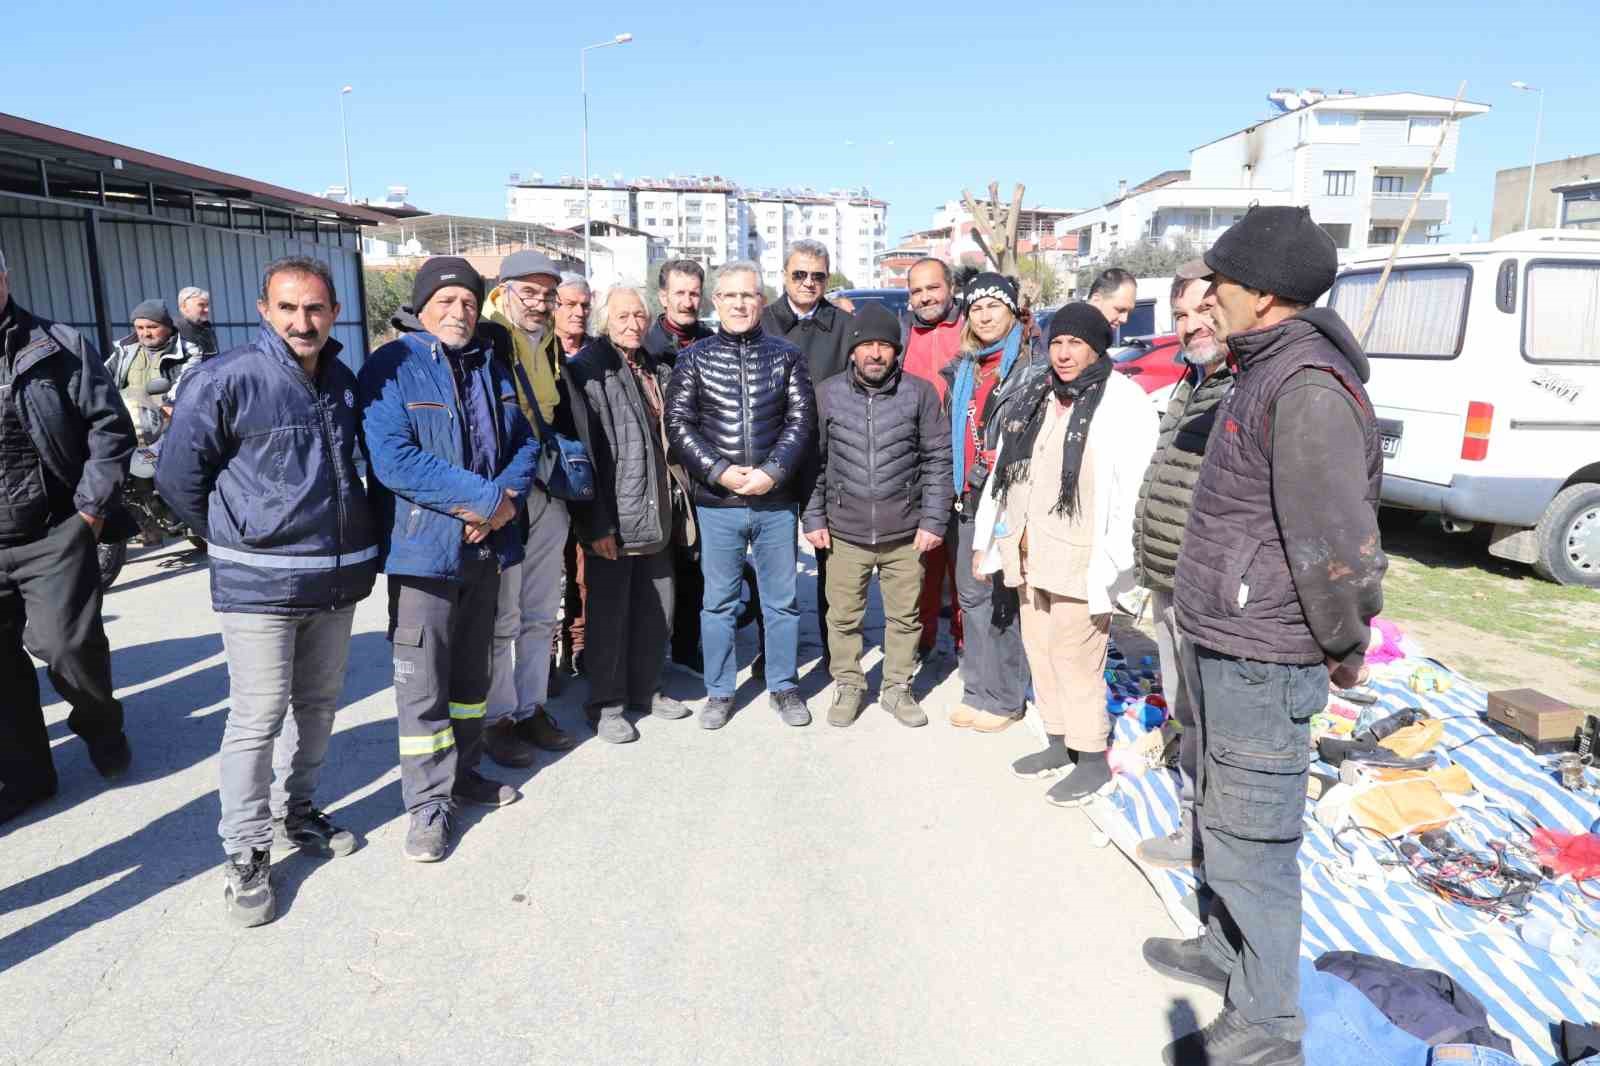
(790, 707)
(543, 731)
(666, 707)
(313, 831)
(1232, 1041)
(714, 715)
(110, 754)
(1175, 851)
(846, 705)
(504, 746)
(989, 722)
(962, 717)
(473, 788)
(1187, 961)
(247, 891)
(1053, 761)
(614, 725)
(429, 834)
(898, 701)
(1089, 779)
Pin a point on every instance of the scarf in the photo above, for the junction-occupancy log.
(680, 335)
(1020, 432)
(962, 390)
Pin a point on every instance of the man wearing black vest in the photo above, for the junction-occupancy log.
(1280, 573)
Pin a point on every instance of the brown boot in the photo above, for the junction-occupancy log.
(503, 745)
(985, 722)
(962, 716)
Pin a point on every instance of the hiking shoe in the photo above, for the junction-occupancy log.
(1086, 781)
(714, 715)
(311, 830)
(1187, 961)
(667, 707)
(542, 731)
(247, 891)
(962, 717)
(846, 705)
(429, 834)
(790, 707)
(111, 755)
(989, 722)
(1231, 1040)
(614, 727)
(504, 746)
(1175, 851)
(898, 701)
(473, 788)
(1053, 761)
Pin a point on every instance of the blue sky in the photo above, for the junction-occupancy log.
(1068, 101)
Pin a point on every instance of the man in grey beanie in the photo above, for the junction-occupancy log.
(153, 350)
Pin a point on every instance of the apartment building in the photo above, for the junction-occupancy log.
(696, 216)
(853, 228)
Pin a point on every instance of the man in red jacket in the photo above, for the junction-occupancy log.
(931, 337)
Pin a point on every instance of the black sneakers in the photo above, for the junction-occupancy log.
(790, 707)
(312, 831)
(543, 731)
(473, 788)
(1187, 961)
(247, 892)
(1232, 1041)
(110, 755)
(503, 743)
(1089, 779)
(1055, 759)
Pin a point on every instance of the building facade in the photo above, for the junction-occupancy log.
(1564, 195)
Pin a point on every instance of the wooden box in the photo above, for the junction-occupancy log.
(1534, 720)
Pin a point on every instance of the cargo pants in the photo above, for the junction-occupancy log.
(443, 634)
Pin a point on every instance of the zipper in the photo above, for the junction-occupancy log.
(872, 472)
(325, 420)
(747, 414)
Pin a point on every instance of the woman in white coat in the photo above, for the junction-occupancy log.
(1075, 440)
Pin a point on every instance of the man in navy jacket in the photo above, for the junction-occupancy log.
(452, 454)
(261, 459)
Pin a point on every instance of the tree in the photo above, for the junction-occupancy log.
(387, 290)
(1040, 283)
(1146, 259)
(995, 231)
(837, 280)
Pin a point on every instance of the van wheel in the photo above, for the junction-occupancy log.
(1568, 537)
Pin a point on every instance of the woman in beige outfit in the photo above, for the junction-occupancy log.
(1075, 440)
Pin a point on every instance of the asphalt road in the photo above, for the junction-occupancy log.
(758, 895)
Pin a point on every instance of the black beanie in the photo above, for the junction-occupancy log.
(873, 322)
(992, 285)
(1083, 321)
(152, 310)
(1277, 250)
(441, 272)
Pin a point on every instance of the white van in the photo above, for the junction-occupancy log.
(1486, 380)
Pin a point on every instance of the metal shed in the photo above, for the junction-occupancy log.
(90, 228)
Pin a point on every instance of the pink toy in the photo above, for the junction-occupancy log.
(1384, 647)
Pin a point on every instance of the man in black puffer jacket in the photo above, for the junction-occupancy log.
(740, 420)
(882, 498)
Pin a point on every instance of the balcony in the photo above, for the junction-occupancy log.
(1434, 207)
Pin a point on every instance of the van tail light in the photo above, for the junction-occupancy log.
(1475, 441)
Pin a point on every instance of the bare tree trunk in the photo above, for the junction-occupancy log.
(995, 232)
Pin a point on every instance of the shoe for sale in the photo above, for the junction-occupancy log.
(846, 705)
(1187, 961)
(429, 834)
(503, 744)
(110, 755)
(247, 888)
(989, 722)
(543, 731)
(1232, 1041)
(473, 788)
(667, 707)
(898, 701)
(1175, 851)
(963, 716)
(714, 715)
(311, 830)
(1053, 761)
(790, 707)
(1086, 781)
(614, 726)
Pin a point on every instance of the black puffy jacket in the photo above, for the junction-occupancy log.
(885, 459)
(631, 497)
(741, 400)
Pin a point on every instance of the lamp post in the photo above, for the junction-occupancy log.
(583, 85)
(344, 134)
(1533, 166)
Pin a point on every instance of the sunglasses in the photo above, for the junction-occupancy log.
(799, 276)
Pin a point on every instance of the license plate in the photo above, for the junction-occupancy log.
(1391, 447)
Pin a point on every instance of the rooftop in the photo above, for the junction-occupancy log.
(1400, 102)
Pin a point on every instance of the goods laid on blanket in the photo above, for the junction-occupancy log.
(1445, 825)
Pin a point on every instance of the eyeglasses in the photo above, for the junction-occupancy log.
(738, 297)
(799, 276)
(532, 294)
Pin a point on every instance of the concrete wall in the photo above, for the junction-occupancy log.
(1511, 192)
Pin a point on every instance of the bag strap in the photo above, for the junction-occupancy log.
(539, 425)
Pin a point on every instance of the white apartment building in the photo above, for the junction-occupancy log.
(1355, 160)
(697, 217)
(853, 227)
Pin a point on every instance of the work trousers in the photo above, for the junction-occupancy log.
(939, 575)
(271, 759)
(442, 631)
(850, 568)
(51, 586)
(994, 668)
(1176, 653)
(1067, 658)
(631, 625)
(1255, 743)
(769, 536)
(525, 619)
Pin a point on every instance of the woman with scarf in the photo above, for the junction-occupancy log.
(994, 674)
(1075, 439)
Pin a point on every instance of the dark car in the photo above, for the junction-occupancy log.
(895, 300)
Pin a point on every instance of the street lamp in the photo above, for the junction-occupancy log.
(1533, 167)
(344, 133)
(583, 85)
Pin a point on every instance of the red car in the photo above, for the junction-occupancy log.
(1154, 363)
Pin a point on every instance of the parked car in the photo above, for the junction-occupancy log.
(1486, 383)
(895, 300)
(1154, 363)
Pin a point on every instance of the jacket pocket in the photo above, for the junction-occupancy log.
(1236, 591)
(413, 521)
(407, 636)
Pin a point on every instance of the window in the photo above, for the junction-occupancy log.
(1388, 184)
(1338, 127)
(1423, 314)
(649, 222)
(1383, 235)
(1561, 312)
(1339, 231)
(1339, 182)
(1425, 131)
(1337, 119)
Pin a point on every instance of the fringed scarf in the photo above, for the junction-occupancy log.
(1020, 432)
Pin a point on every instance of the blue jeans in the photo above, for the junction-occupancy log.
(770, 535)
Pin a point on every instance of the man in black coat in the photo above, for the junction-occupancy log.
(65, 443)
(881, 500)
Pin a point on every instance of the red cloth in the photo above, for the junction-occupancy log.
(1577, 854)
(929, 350)
(988, 378)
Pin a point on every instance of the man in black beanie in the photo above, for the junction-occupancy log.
(1280, 572)
(153, 350)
